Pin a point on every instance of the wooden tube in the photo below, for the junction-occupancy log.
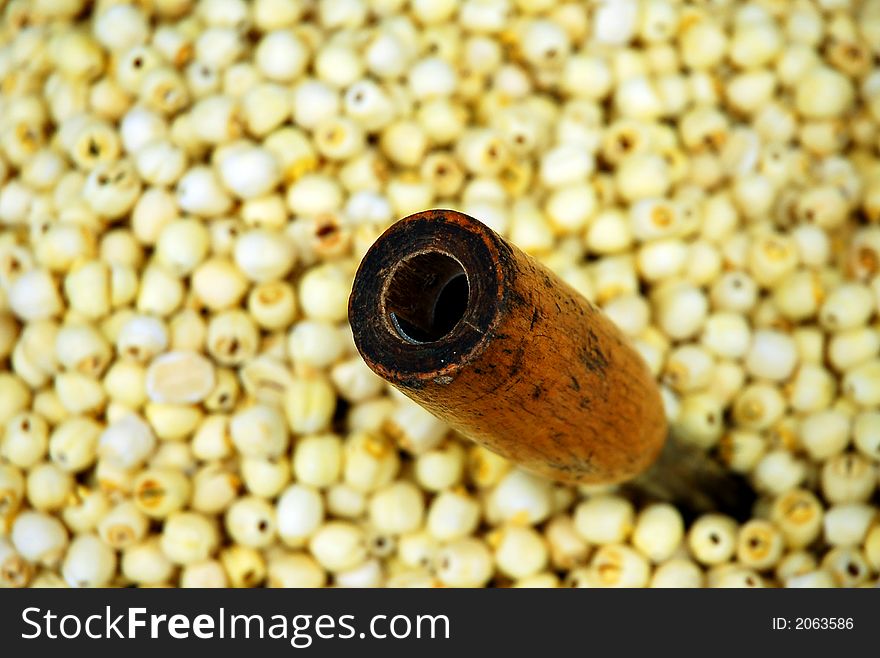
(496, 345)
(489, 340)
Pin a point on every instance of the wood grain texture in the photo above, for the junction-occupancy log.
(531, 370)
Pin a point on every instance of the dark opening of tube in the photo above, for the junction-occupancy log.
(426, 297)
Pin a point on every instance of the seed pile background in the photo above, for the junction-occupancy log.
(186, 188)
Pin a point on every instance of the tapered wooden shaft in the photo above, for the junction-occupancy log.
(492, 342)
(496, 345)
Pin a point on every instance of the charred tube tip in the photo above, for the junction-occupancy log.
(425, 295)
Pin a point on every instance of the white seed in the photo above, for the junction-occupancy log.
(689, 368)
(615, 22)
(250, 172)
(215, 119)
(812, 388)
(847, 307)
(12, 488)
(123, 526)
(127, 443)
(33, 296)
(658, 532)
(519, 551)
(464, 563)
(852, 347)
(338, 64)
(232, 337)
(199, 191)
(219, 284)
(616, 565)
(120, 27)
(795, 563)
(431, 77)
(146, 564)
(847, 566)
(250, 521)
(872, 547)
(772, 355)
(345, 501)
(520, 496)
(604, 519)
(798, 514)
(142, 337)
(112, 189)
(778, 471)
(699, 419)
(264, 255)
(155, 208)
(368, 574)
(295, 570)
(160, 162)
(441, 468)
(48, 487)
(848, 478)
(179, 377)
(452, 515)
(371, 461)
(265, 478)
(309, 403)
(866, 433)
(259, 432)
(182, 245)
(25, 440)
(219, 46)
(39, 538)
(823, 93)
(712, 539)
(89, 562)
(545, 43)
(299, 513)
(726, 334)
(642, 176)
(172, 422)
(338, 546)
(397, 508)
(281, 55)
(862, 384)
(355, 381)
(243, 566)
(760, 545)
(189, 538)
(214, 489)
(824, 434)
(159, 492)
(266, 378)
(681, 310)
(677, 572)
(161, 292)
(73, 444)
(847, 524)
(758, 406)
(317, 460)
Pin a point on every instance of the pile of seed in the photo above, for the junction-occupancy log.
(186, 189)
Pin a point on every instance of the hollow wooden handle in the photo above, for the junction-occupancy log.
(530, 369)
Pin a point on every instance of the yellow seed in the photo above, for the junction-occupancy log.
(15, 571)
(300, 168)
